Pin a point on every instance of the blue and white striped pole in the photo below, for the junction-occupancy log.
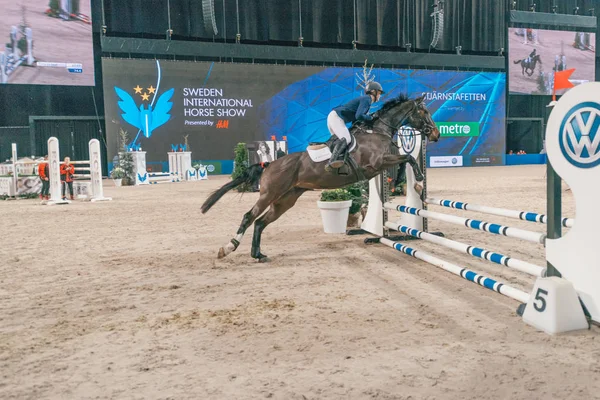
(534, 237)
(502, 212)
(484, 254)
(465, 273)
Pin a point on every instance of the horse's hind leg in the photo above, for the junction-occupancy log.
(261, 205)
(277, 209)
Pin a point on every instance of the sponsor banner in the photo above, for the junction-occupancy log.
(458, 129)
(431, 96)
(216, 167)
(213, 167)
(445, 161)
(486, 160)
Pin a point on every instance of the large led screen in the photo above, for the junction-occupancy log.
(535, 54)
(46, 42)
(213, 106)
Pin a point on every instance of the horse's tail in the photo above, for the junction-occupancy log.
(250, 177)
(518, 61)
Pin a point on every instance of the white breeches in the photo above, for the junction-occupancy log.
(337, 127)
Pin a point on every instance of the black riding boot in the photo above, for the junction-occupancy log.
(337, 156)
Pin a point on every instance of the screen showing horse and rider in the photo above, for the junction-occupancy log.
(536, 54)
(46, 42)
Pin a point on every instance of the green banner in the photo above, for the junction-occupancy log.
(458, 129)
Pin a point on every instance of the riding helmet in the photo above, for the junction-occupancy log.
(374, 86)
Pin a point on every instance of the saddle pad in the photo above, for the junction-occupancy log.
(318, 155)
(317, 146)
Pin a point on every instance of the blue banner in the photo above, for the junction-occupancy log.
(299, 112)
(211, 107)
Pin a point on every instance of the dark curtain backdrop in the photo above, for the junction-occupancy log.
(476, 25)
(564, 6)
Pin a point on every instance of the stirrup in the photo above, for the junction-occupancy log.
(337, 164)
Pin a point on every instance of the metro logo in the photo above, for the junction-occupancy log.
(458, 129)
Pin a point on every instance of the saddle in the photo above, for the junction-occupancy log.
(321, 151)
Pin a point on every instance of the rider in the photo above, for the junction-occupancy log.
(354, 110)
(531, 55)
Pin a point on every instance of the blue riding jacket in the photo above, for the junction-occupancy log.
(355, 110)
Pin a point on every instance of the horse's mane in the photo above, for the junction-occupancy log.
(393, 102)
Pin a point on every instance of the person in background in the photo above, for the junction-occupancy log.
(44, 173)
(278, 151)
(66, 177)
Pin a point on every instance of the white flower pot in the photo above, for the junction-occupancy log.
(334, 215)
(118, 182)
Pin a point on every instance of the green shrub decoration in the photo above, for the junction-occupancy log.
(357, 192)
(126, 160)
(360, 196)
(336, 195)
(240, 165)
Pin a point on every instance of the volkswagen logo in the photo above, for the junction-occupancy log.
(407, 139)
(578, 136)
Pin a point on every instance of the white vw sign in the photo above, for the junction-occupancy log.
(580, 140)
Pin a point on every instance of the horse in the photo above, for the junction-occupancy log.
(284, 180)
(529, 65)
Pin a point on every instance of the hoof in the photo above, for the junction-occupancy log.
(418, 189)
(420, 192)
(261, 258)
(221, 253)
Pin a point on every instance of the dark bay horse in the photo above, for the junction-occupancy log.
(283, 181)
(529, 65)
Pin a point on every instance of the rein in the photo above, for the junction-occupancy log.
(425, 130)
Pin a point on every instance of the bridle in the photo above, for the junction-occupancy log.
(426, 129)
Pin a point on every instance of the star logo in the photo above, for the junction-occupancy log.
(146, 117)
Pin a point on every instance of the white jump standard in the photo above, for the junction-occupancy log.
(10, 61)
(95, 168)
(556, 304)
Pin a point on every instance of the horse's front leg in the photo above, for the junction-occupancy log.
(392, 160)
